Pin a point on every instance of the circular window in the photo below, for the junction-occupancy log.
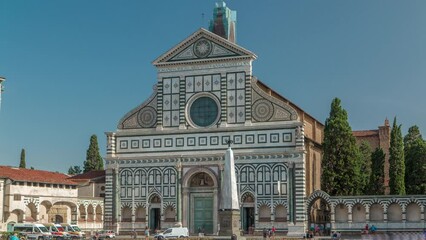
(202, 48)
(204, 111)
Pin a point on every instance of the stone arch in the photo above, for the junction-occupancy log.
(44, 209)
(264, 212)
(90, 213)
(31, 212)
(140, 214)
(16, 215)
(394, 212)
(126, 214)
(67, 210)
(358, 213)
(282, 202)
(98, 213)
(169, 213)
(341, 212)
(376, 212)
(248, 197)
(82, 214)
(186, 180)
(154, 197)
(318, 206)
(318, 194)
(280, 213)
(413, 212)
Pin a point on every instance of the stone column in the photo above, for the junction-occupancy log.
(350, 214)
(86, 217)
(367, 214)
(332, 217)
(404, 214)
(385, 215)
(117, 201)
(133, 205)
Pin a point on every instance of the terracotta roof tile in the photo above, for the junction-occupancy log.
(30, 175)
(365, 133)
(89, 175)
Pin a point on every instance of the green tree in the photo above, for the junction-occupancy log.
(365, 151)
(396, 161)
(377, 177)
(74, 170)
(94, 160)
(22, 163)
(341, 158)
(412, 136)
(415, 162)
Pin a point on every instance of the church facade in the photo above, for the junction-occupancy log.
(165, 160)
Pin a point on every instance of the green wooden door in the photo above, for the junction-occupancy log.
(203, 214)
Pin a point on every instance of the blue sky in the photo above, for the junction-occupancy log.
(74, 68)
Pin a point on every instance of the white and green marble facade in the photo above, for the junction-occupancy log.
(160, 158)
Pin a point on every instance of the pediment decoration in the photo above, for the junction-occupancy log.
(203, 49)
(203, 45)
(266, 108)
(143, 116)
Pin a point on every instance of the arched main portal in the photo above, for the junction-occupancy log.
(319, 213)
(200, 200)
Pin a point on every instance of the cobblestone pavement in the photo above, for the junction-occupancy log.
(395, 236)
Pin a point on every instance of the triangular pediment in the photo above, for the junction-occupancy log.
(200, 46)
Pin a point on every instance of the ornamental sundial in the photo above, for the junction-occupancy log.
(202, 48)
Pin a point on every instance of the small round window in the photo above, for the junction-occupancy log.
(204, 111)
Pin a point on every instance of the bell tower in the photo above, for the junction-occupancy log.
(224, 22)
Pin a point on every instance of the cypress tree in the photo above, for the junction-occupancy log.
(94, 160)
(22, 163)
(415, 162)
(365, 151)
(396, 161)
(341, 158)
(376, 186)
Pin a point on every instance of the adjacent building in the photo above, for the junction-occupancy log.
(377, 138)
(28, 195)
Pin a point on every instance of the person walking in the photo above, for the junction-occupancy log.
(265, 233)
(146, 233)
(134, 234)
(273, 229)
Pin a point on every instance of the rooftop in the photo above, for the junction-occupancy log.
(31, 175)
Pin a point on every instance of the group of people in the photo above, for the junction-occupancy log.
(269, 233)
(368, 229)
(146, 233)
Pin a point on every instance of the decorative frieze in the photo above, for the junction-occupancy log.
(179, 142)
